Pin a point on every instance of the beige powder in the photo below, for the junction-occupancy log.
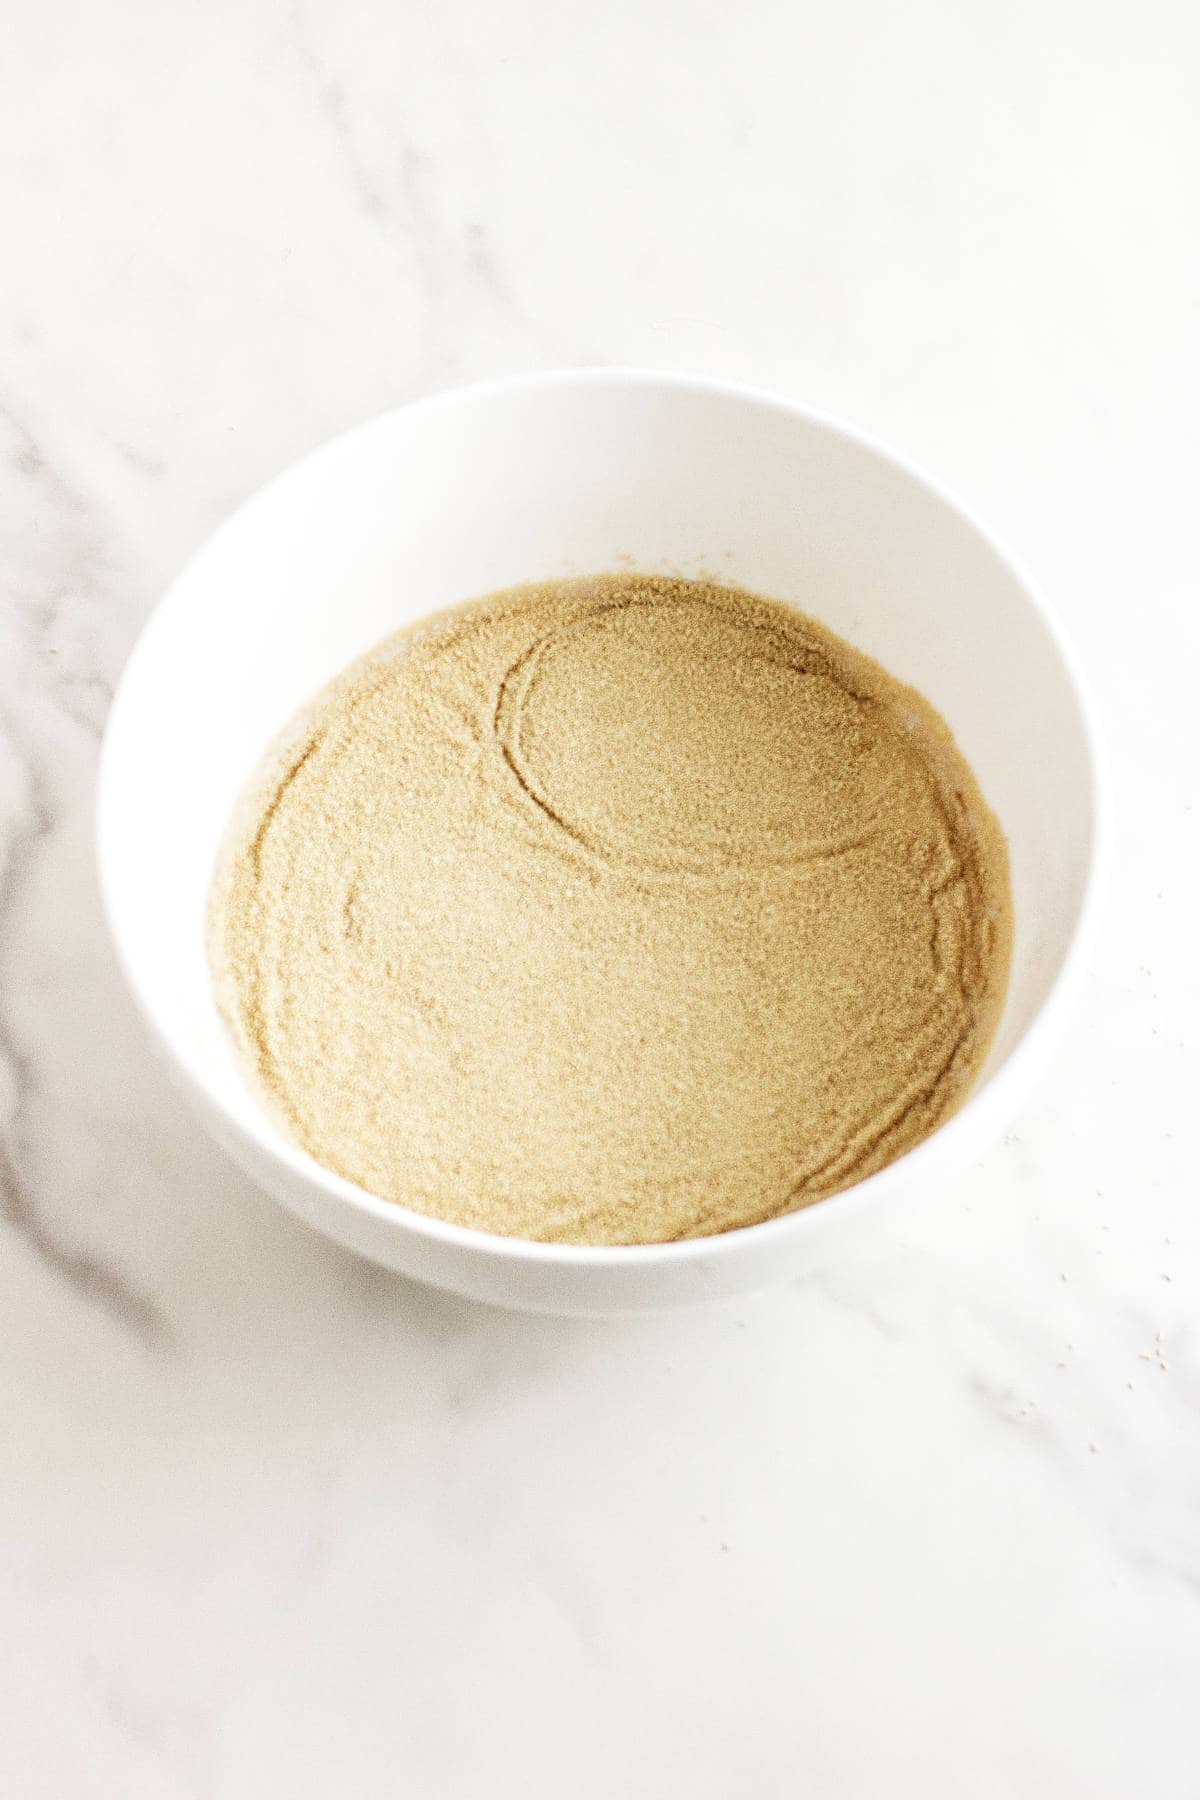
(613, 911)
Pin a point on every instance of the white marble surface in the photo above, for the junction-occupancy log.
(274, 1524)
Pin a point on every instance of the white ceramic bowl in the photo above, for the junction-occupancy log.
(523, 480)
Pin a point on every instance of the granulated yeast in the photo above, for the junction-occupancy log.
(613, 911)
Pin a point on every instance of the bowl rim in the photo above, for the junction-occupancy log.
(954, 1132)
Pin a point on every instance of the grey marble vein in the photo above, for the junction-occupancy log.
(28, 458)
(89, 1274)
(91, 1277)
(456, 264)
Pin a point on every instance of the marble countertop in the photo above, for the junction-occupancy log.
(273, 1523)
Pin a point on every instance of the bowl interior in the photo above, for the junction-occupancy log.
(452, 498)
